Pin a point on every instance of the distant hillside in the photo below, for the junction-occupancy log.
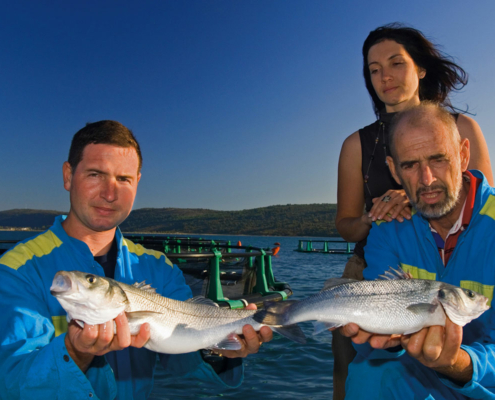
(24, 218)
(287, 220)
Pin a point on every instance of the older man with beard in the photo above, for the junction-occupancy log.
(450, 238)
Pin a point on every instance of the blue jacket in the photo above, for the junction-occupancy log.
(471, 265)
(34, 362)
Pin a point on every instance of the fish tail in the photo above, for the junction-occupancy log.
(274, 313)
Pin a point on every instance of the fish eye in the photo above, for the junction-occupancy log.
(469, 294)
(441, 294)
(91, 278)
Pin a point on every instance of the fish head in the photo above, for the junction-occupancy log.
(87, 297)
(462, 305)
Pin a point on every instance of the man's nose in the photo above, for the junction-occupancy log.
(427, 177)
(109, 190)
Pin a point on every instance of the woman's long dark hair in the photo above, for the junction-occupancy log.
(442, 74)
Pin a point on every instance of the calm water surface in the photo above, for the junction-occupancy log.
(282, 369)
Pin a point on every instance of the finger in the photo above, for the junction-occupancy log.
(251, 339)
(105, 339)
(265, 334)
(142, 337)
(406, 213)
(383, 341)
(349, 330)
(251, 306)
(453, 340)
(123, 331)
(415, 344)
(361, 337)
(433, 344)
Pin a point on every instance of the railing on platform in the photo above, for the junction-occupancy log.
(307, 246)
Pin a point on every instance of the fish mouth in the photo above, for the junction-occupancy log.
(61, 284)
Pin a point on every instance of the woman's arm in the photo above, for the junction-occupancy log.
(351, 221)
(480, 159)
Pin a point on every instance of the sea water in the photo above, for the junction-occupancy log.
(282, 369)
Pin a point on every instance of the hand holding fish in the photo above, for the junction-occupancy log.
(96, 340)
(377, 341)
(439, 348)
(251, 340)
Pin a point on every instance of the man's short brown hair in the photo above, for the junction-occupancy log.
(102, 132)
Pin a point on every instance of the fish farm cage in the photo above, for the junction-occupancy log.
(232, 275)
(325, 246)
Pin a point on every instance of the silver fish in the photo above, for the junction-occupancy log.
(175, 326)
(394, 306)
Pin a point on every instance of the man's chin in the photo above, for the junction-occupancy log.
(434, 211)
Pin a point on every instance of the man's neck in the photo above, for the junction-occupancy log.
(99, 243)
(444, 224)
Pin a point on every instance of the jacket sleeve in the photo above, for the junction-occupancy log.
(380, 250)
(482, 384)
(192, 364)
(33, 362)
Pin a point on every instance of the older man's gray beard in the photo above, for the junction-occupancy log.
(440, 209)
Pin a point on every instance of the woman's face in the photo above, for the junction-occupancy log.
(394, 75)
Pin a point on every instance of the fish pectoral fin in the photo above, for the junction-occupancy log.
(422, 307)
(202, 300)
(79, 322)
(231, 342)
(332, 282)
(291, 332)
(135, 316)
(320, 326)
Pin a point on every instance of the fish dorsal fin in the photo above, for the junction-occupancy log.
(394, 273)
(332, 282)
(202, 300)
(144, 286)
(422, 307)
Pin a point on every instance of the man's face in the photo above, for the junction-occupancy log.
(429, 166)
(102, 187)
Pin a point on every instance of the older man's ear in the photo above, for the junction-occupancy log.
(391, 166)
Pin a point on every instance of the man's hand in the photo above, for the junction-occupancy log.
(376, 341)
(439, 348)
(250, 339)
(96, 340)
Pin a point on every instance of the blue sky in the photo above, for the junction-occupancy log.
(237, 104)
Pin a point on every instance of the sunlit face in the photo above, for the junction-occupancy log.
(394, 75)
(429, 167)
(102, 188)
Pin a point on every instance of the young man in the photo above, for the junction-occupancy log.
(41, 356)
(451, 239)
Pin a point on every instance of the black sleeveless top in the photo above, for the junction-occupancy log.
(376, 175)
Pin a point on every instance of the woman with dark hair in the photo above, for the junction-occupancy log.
(401, 68)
